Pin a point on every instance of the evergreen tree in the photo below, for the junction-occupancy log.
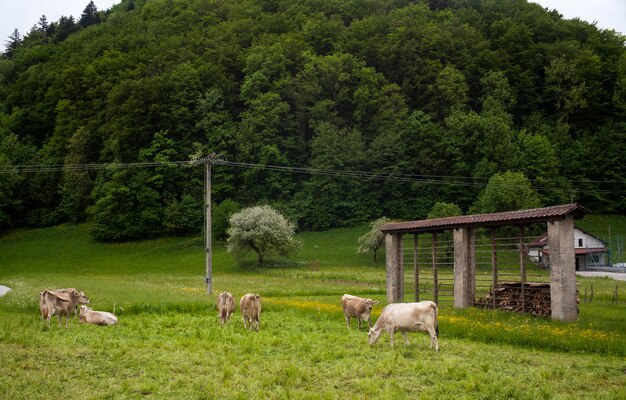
(89, 16)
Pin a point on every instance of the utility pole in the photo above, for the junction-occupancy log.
(208, 246)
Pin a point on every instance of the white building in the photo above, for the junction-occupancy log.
(590, 250)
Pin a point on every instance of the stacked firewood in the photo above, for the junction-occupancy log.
(508, 296)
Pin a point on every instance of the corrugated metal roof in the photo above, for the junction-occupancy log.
(495, 219)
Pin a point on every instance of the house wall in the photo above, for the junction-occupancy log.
(587, 240)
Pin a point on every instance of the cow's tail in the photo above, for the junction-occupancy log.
(434, 307)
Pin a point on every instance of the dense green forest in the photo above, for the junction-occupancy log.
(426, 100)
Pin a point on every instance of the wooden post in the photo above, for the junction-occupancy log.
(400, 251)
(208, 252)
(416, 268)
(494, 266)
(434, 251)
(522, 266)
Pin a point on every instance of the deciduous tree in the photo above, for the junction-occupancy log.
(263, 230)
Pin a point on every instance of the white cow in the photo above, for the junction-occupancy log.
(407, 317)
(96, 317)
(357, 307)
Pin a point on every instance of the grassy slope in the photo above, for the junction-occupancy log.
(169, 344)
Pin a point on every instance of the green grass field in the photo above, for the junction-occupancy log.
(169, 343)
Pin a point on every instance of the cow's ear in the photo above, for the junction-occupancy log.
(375, 302)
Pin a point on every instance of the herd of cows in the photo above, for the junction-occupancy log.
(403, 317)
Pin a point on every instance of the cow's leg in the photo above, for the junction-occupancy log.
(433, 339)
(406, 339)
(391, 331)
(347, 317)
(359, 322)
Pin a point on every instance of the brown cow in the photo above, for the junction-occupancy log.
(250, 305)
(96, 317)
(68, 291)
(51, 303)
(225, 306)
(357, 307)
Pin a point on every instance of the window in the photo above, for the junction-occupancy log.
(580, 243)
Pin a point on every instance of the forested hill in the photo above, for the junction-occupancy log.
(442, 95)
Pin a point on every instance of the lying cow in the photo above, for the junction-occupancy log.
(96, 317)
(225, 306)
(407, 317)
(57, 303)
(357, 307)
(250, 305)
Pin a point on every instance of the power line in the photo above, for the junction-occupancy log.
(443, 180)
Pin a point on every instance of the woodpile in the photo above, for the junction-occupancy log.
(532, 297)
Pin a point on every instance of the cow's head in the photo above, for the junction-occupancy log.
(373, 335)
(84, 309)
(82, 299)
(369, 303)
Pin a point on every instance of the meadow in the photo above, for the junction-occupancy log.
(169, 343)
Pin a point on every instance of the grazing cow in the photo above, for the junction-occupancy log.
(225, 306)
(357, 307)
(96, 317)
(250, 305)
(407, 317)
(51, 303)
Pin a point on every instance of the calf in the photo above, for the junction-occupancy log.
(225, 306)
(250, 305)
(407, 317)
(357, 307)
(51, 303)
(96, 317)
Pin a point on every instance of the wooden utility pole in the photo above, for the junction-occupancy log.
(208, 247)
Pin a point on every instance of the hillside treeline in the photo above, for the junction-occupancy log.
(435, 96)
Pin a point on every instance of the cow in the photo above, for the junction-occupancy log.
(250, 305)
(66, 291)
(96, 317)
(357, 307)
(225, 306)
(51, 303)
(407, 317)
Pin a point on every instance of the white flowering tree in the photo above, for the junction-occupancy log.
(374, 239)
(263, 230)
